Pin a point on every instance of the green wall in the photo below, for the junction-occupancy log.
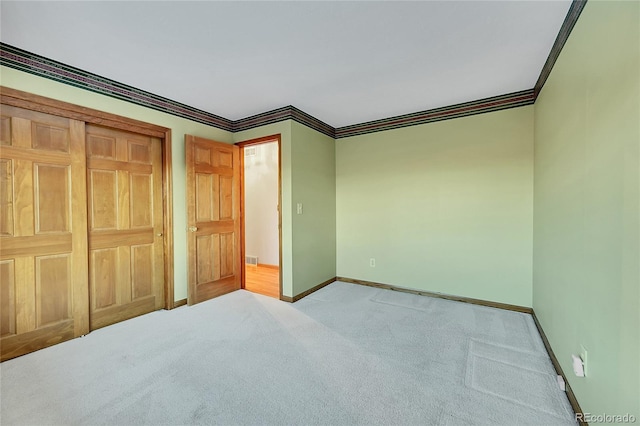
(586, 209)
(179, 127)
(314, 185)
(444, 207)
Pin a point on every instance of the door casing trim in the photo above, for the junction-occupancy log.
(265, 139)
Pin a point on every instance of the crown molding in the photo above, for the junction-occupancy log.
(569, 22)
(31, 63)
(285, 113)
(494, 103)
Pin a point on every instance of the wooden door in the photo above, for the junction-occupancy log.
(43, 231)
(213, 210)
(124, 179)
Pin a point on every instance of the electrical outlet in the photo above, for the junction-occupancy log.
(584, 357)
(372, 262)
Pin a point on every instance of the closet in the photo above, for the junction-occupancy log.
(82, 220)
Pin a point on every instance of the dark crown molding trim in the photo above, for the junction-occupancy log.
(567, 26)
(39, 65)
(32, 63)
(264, 118)
(495, 103)
(310, 121)
(281, 114)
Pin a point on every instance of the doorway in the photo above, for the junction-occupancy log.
(261, 218)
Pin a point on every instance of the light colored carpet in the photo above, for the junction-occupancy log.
(344, 355)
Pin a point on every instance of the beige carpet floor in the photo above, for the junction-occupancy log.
(344, 355)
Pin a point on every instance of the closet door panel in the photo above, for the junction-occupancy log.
(126, 261)
(43, 231)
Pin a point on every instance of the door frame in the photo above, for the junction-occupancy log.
(18, 98)
(258, 141)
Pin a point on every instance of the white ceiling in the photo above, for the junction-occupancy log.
(342, 62)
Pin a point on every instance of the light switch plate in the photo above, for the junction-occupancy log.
(584, 357)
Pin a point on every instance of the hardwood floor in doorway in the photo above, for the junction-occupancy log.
(263, 280)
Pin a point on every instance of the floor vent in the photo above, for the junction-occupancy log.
(251, 260)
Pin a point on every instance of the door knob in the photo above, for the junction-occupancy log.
(193, 229)
(159, 234)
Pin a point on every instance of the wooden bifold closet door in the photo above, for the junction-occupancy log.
(81, 228)
(43, 231)
(124, 179)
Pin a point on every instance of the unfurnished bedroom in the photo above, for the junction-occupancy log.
(320, 213)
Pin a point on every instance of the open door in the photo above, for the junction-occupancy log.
(213, 215)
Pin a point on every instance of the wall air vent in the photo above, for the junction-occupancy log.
(251, 260)
(250, 151)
